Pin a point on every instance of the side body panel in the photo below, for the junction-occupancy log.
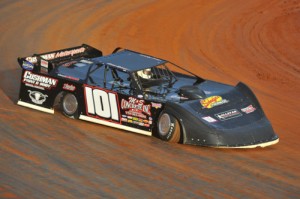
(119, 110)
(39, 90)
(95, 104)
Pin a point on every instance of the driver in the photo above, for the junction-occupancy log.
(146, 73)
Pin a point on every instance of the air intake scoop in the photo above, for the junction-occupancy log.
(191, 92)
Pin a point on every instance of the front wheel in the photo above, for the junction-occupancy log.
(69, 105)
(168, 128)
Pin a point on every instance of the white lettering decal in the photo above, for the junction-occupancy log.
(39, 80)
(55, 55)
(101, 103)
(69, 87)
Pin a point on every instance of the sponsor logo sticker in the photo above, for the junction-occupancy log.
(209, 119)
(135, 105)
(156, 105)
(38, 81)
(37, 97)
(227, 115)
(69, 63)
(248, 109)
(135, 119)
(44, 63)
(27, 65)
(69, 87)
(213, 101)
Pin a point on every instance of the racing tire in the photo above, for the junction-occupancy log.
(168, 128)
(69, 105)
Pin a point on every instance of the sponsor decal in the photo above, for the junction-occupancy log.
(156, 105)
(135, 105)
(69, 87)
(137, 114)
(209, 119)
(135, 122)
(248, 109)
(37, 97)
(56, 55)
(135, 119)
(39, 81)
(213, 101)
(44, 63)
(230, 114)
(27, 65)
(69, 63)
(101, 104)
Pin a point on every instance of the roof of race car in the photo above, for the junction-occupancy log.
(130, 60)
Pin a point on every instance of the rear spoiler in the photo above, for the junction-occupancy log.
(45, 62)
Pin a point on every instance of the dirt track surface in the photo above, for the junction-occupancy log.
(50, 156)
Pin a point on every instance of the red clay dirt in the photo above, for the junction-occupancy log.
(50, 156)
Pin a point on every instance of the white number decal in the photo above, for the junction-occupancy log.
(101, 103)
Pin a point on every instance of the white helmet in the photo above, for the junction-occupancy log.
(146, 73)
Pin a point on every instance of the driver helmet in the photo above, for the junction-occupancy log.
(145, 73)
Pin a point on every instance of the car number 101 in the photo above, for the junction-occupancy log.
(101, 103)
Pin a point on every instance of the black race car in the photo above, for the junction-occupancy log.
(146, 95)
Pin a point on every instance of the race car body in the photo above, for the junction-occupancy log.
(146, 95)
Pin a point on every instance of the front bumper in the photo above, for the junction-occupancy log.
(255, 134)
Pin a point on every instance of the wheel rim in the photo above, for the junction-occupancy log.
(164, 124)
(70, 104)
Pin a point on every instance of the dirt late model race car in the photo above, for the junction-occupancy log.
(144, 94)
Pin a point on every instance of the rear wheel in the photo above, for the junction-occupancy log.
(168, 128)
(69, 105)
